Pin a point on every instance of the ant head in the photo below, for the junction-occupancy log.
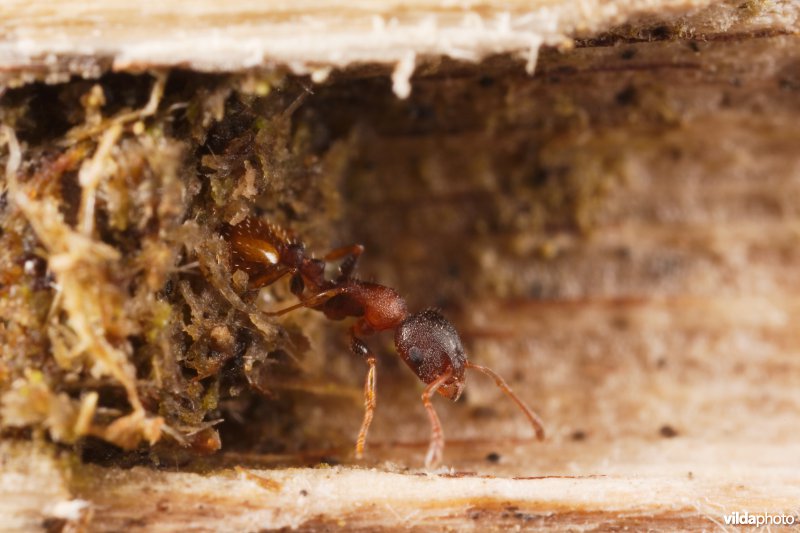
(430, 346)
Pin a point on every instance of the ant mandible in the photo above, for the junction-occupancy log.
(426, 341)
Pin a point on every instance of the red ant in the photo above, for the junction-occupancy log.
(426, 341)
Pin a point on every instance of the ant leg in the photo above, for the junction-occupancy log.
(370, 398)
(436, 448)
(533, 418)
(267, 278)
(351, 254)
(354, 250)
(314, 301)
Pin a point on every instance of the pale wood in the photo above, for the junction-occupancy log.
(678, 308)
(52, 40)
(141, 499)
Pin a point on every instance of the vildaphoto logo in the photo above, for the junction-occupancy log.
(758, 519)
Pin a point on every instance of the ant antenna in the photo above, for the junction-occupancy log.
(533, 418)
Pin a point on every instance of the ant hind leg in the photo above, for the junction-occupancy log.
(317, 299)
(350, 254)
(263, 279)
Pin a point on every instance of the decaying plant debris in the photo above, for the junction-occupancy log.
(616, 234)
(121, 317)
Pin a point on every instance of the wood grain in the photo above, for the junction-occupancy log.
(617, 235)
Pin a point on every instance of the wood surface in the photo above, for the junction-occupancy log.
(44, 40)
(653, 326)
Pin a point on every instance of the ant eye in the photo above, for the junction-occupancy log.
(415, 356)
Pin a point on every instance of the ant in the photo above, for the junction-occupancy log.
(426, 341)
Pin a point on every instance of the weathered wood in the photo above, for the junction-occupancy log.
(617, 235)
(143, 499)
(48, 41)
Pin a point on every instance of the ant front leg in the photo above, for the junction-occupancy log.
(351, 254)
(436, 447)
(370, 397)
